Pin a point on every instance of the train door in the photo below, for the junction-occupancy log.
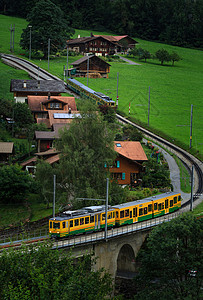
(97, 221)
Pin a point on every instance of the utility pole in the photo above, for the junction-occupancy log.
(13, 35)
(191, 125)
(54, 195)
(11, 29)
(67, 64)
(149, 106)
(106, 206)
(192, 179)
(48, 51)
(117, 89)
(30, 26)
(87, 68)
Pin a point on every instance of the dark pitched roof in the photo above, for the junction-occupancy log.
(44, 135)
(52, 86)
(86, 39)
(85, 58)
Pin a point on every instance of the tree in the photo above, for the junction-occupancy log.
(86, 147)
(22, 116)
(163, 55)
(44, 176)
(174, 57)
(132, 133)
(47, 22)
(172, 250)
(15, 184)
(155, 175)
(43, 273)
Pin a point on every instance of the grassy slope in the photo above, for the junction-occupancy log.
(173, 89)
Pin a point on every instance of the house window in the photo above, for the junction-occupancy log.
(117, 164)
(118, 145)
(117, 176)
(123, 176)
(54, 105)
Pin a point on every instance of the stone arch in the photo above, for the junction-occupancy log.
(126, 260)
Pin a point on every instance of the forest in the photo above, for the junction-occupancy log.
(176, 22)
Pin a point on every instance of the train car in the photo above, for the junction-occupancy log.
(147, 208)
(90, 218)
(86, 92)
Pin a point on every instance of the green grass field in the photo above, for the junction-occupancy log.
(172, 88)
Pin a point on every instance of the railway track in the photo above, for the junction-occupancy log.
(37, 73)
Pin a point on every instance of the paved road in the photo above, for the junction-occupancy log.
(129, 61)
(174, 172)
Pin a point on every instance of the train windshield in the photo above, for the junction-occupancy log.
(56, 225)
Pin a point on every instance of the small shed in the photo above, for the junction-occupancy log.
(6, 149)
(95, 66)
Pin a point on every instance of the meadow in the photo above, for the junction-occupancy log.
(172, 88)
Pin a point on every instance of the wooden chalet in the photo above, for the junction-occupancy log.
(123, 42)
(51, 109)
(101, 45)
(94, 44)
(22, 88)
(96, 66)
(128, 164)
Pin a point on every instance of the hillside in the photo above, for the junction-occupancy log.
(173, 88)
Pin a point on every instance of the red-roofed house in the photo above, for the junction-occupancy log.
(129, 161)
(42, 106)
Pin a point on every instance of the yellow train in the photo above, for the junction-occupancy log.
(92, 218)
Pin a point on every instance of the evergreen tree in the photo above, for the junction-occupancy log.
(48, 22)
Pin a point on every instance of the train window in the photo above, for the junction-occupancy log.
(113, 214)
(103, 217)
(179, 198)
(87, 220)
(64, 224)
(155, 206)
(134, 212)
(159, 206)
(145, 210)
(171, 203)
(116, 214)
(127, 213)
(82, 221)
(140, 211)
(71, 223)
(122, 214)
(162, 204)
(50, 224)
(149, 207)
(131, 214)
(56, 225)
(175, 200)
(166, 203)
(76, 222)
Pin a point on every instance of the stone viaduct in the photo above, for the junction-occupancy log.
(116, 255)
